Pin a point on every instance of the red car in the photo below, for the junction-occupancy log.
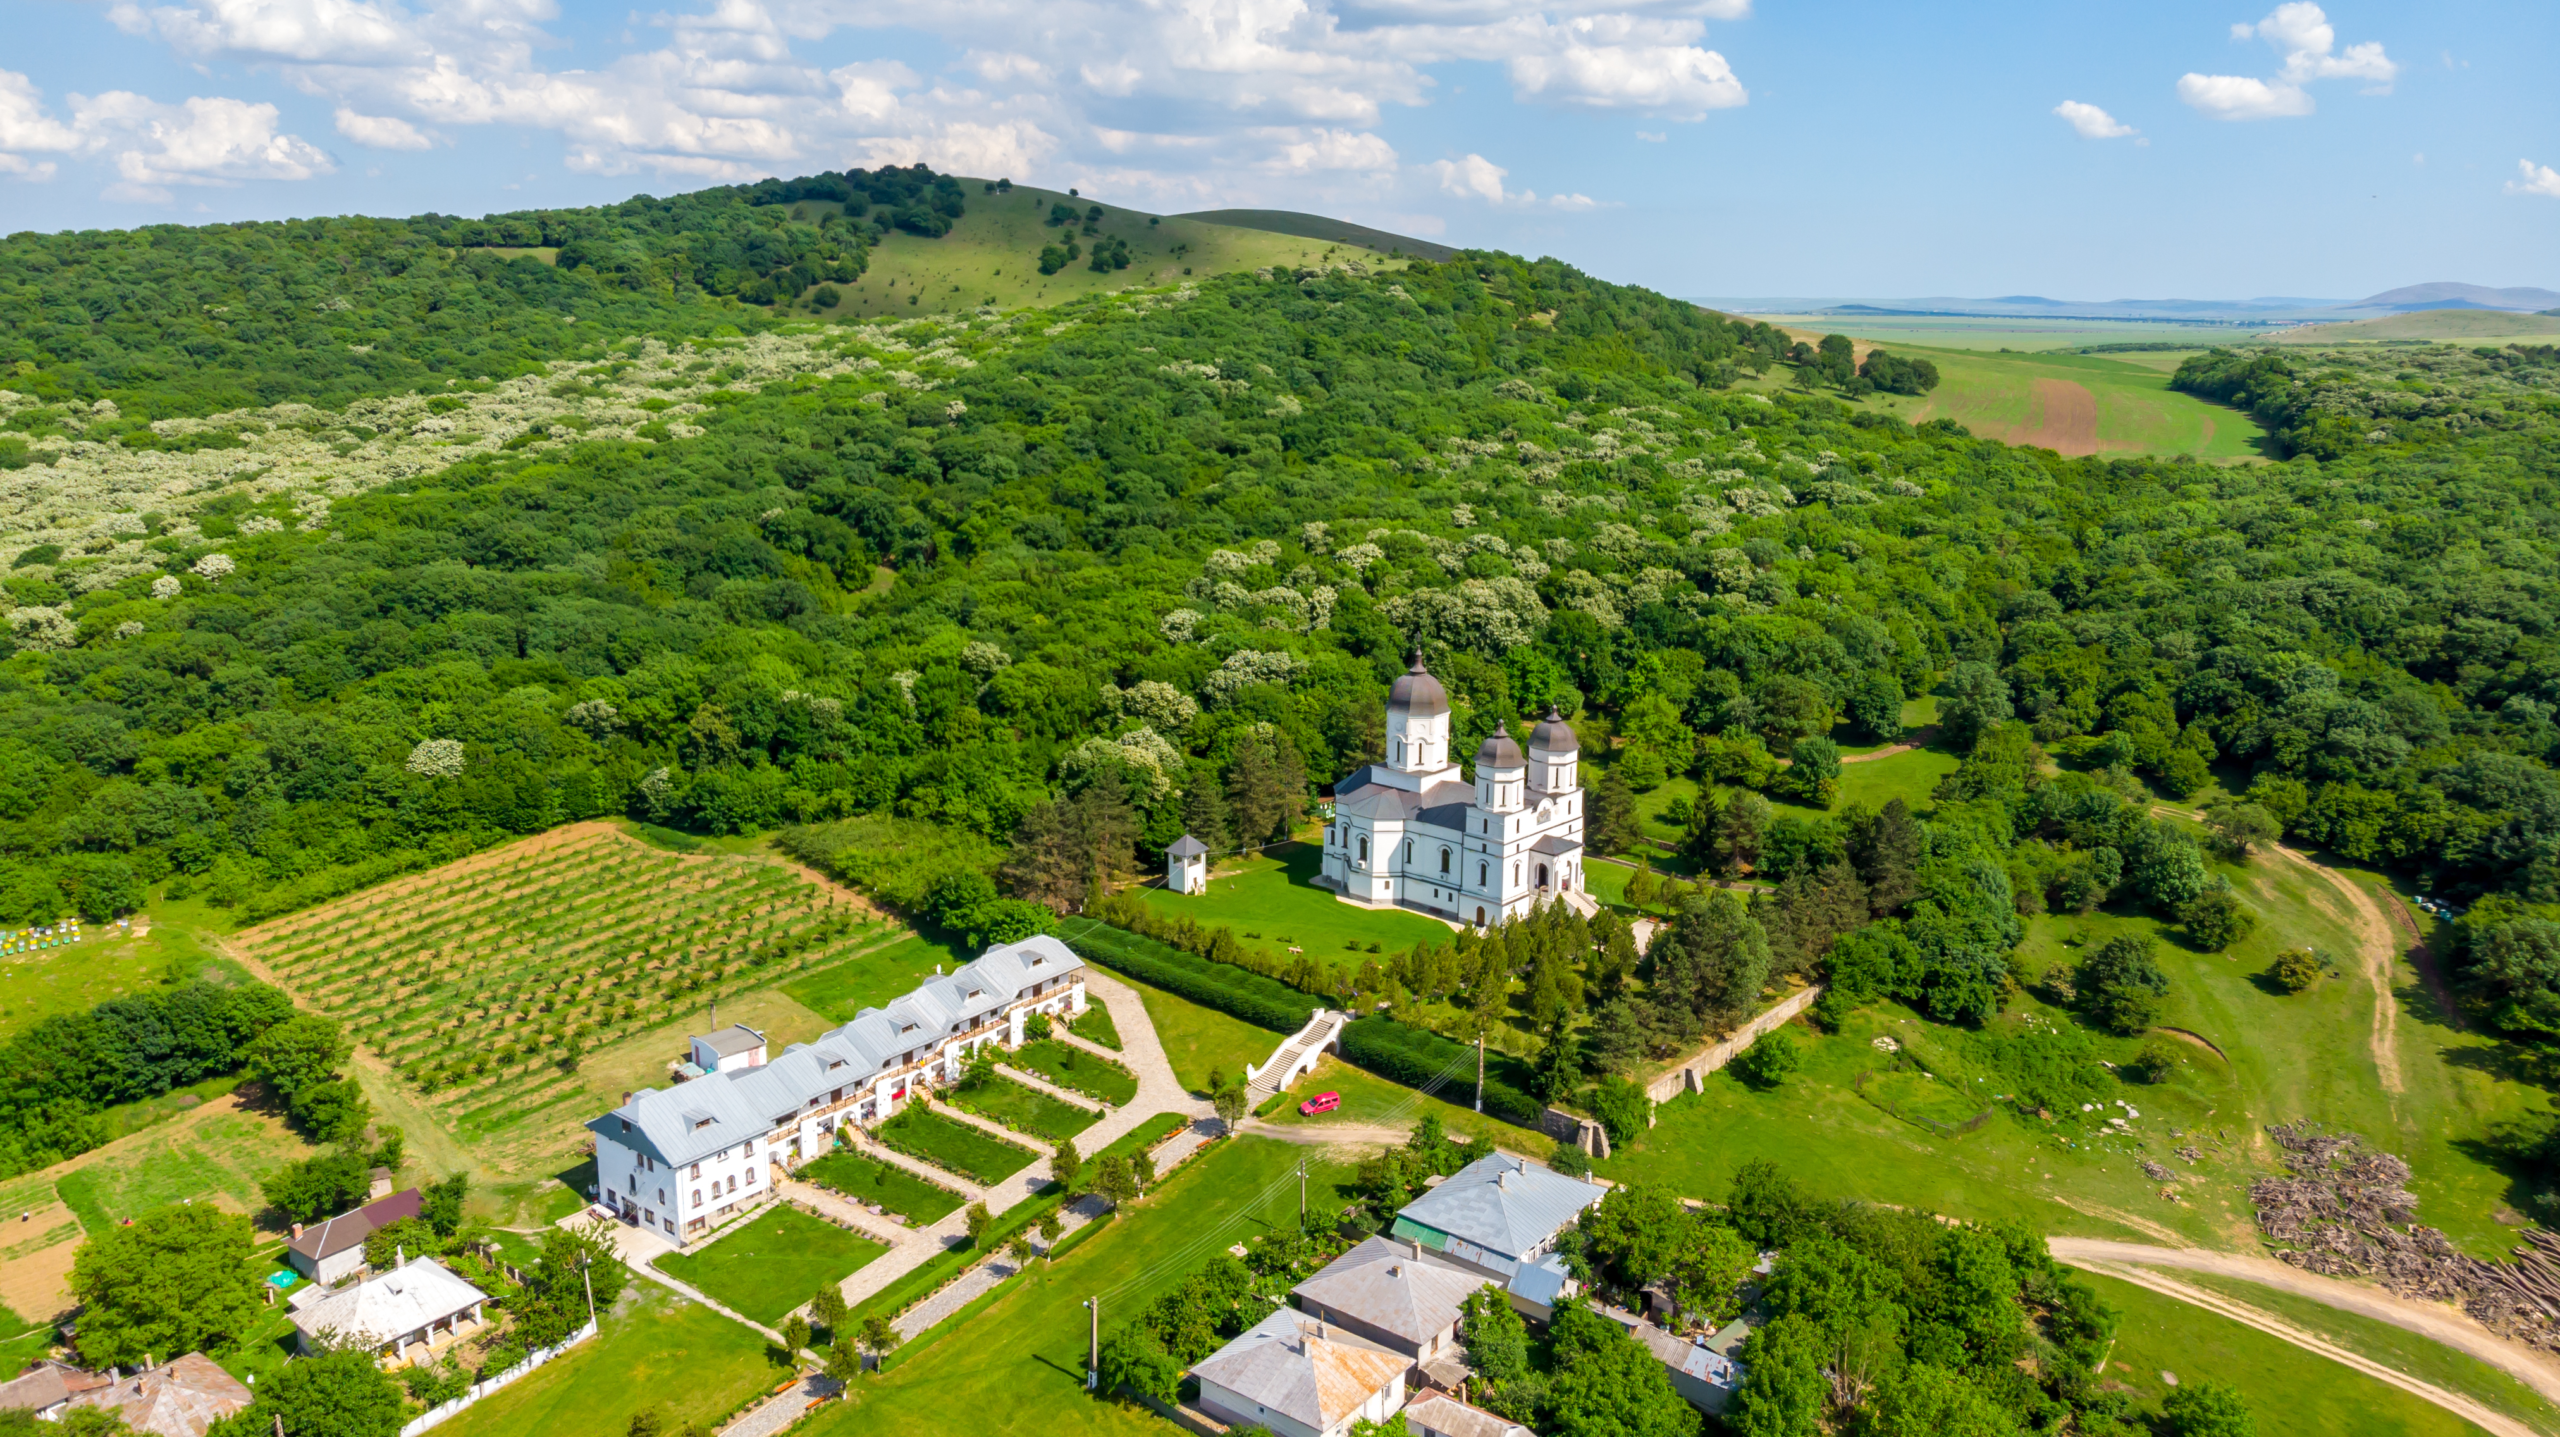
(1320, 1103)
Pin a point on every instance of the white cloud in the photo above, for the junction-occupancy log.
(1653, 137)
(2535, 179)
(382, 132)
(1620, 62)
(2092, 122)
(204, 141)
(1322, 149)
(25, 125)
(1572, 202)
(1474, 176)
(2300, 32)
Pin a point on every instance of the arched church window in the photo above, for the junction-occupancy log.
(1408, 850)
(1481, 870)
(1444, 859)
(1364, 848)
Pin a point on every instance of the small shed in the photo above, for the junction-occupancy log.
(734, 1047)
(1186, 865)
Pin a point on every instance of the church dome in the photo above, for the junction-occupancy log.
(1418, 693)
(1497, 751)
(1553, 735)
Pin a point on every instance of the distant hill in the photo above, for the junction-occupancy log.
(2445, 294)
(2469, 324)
(1318, 227)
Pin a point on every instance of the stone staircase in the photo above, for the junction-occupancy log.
(1296, 1057)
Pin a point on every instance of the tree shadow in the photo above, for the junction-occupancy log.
(2509, 1061)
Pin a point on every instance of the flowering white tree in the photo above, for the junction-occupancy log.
(595, 717)
(1244, 668)
(436, 758)
(1155, 703)
(166, 587)
(43, 627)
(214, 568)
(1180, 625)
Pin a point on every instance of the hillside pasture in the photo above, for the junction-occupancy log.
(482, 984)
(2073, 404)
(2442, 326)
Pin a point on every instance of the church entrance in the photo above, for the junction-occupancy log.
(1479, 915)
(1542, 875)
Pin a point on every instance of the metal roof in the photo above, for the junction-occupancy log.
(176, 1399)
(1299, 1366)
(1418, 693)
(1188, 847)
(1505, 1205)
(1497, 751)
(1396, 1287)
(381, 1310)
(1554, 736)
(691, 1121)
(729, 1042)
(1441, 1415)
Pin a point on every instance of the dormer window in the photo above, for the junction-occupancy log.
(834, 1063)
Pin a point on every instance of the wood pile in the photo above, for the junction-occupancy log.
(2345, 1210)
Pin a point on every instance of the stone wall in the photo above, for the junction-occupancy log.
(1685, 1075)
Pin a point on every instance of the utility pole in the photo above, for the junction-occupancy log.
(1093, 1344)
(1479, 1072)
(585, 1276)
(1302, 1194)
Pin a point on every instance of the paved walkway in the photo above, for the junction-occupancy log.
(843, 1209)
(783, 1408)
(640, 1248)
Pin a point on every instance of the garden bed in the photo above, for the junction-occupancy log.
(954, 1147)
(1021, 1107)
(1075, 1069)
(1094, 1025)
(885, 1185)
(773, 1263)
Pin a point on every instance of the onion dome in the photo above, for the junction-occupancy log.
(1497, 751)
(1418, 693)
(1553, 735)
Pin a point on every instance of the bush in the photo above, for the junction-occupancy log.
(2297, 969)
(1257, 1000)
(1417, 1059)
(1769, 1061)
(2215, 919)
(1622, 1108)
(1569, 1160)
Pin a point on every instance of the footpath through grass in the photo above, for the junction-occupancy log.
(1199, 1041)
(954, 1146)
(1018, 1366)
(865, 1179)
(775, 1262)
(654, 1352)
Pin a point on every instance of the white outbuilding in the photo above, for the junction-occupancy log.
(1186, 865)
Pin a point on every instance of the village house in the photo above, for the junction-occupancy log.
(419, 1304)
(681, 1161)
(46, 1387)
(1393, 1292)
(183, 1398)
(1299, 1376)
(1499, 1215)
(1437, 1414)
(330, 1251)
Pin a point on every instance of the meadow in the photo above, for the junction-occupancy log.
(773, 1263)
(992, 255)
(655, 1352)
(1201, 1041)
(484, 983)
(1271, 901)
(2073, 404)
(2438, 326)
(2000, 332)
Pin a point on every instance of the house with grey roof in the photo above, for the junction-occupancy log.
(420, 1304)
(1497, 1215)
(1393, 1292)
(1300, 1376)
(683, 1160)
(46, 1387)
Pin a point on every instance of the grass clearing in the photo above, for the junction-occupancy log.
(887, 1185)
(2289, 1390)
(1022, 1108)
(839, 993)
(1371, 1101)
(1272, 903)
(1199, 1041)
(2009, 396)
(1018, 1365)
(107, 962)
(2443, 326)
(953, 1146)
(1997, 332)
(773, 1263)
(1074, 1069)
(478, 983)
(1094, 1025)
(653, 1352)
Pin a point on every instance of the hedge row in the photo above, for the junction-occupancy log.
(1414, 1057)
(1229, 989)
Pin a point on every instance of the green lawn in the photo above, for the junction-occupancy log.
(2292, 1393)
(1272, 903)
(1094, 1025)
(1369, 1100)
(1199, 1041)
(2397, 1347)
(1023, 1108)
(774, 1263)
(954, 1146)
(654, 1352)
(1016, 1369)
(890, 1186)
(1071, 1067)
(871, 979)
(2005, 397)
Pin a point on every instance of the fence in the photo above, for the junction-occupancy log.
(540, 1355)
(1685, 1076)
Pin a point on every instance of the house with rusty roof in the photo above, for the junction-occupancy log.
(684, 1160)
(326, 1252)
(1437, 1414)
(175, 1399)
(46, 1387)
(1301, 1376)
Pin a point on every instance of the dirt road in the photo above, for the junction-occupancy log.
(2434, 1321)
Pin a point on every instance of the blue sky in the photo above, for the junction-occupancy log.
(1729, 147)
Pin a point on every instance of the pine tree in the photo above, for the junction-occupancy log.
(1739, 827)
(1204, 815)
(1640, 889)
(1887, 854)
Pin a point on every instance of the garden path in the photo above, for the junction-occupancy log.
(838, 1208)
(639, 1250)
(784, 1408)
(1039, 1084)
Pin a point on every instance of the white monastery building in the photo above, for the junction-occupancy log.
(683, 1160)
(1413, 833)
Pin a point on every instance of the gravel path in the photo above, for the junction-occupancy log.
(783, 1408)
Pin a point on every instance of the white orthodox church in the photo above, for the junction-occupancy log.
(1413, 833)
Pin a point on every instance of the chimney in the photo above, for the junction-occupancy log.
(297, 1232)
(1417, 1249)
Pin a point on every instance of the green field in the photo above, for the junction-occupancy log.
(840, 992)
(953, 1146)
(1018, 1365)
(1199, 1041)
(2443, 326)
(1371, 1101)
(1995, 332)
(2031, 399)
(2292, 1393)
(773, 1263)
(1073, 1068)
(1272, 903)
(107, 962)
(1024, 1109)
(1094, 1025)
(869, 1180)
(991, 256)
(653, 1352)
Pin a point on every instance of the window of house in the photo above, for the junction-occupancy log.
(1364, 848)
(697, 1169)
(1408, 850)
(697, 1197)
